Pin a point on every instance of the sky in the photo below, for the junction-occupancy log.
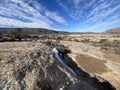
(62, 15)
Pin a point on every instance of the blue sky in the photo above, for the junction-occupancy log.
(65, 15)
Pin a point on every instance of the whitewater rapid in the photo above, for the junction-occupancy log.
(56, 54)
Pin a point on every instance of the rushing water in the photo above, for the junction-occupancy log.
(55, 51)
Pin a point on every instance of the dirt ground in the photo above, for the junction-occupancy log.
(110, 54)
(91, 64)
(101, 63)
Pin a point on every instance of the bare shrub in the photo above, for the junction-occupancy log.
(103, 40)
(43, 85)
(76, 40)
(85, 40)
(0, 35)
(63, 49)
(103, 48)
(117, 50)
(16, 34)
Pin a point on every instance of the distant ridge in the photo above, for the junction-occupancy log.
(83, 32)
(35, 31)
(39, 31)
(113, 31)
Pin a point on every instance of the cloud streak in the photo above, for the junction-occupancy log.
(54, 16)
(22, 13)
(92, 12)
(66, 14)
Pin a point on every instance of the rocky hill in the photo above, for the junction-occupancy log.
(113, 31)
(34, 31)
(39, 31)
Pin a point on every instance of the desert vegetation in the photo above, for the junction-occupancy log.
(0, 35)
(16, 34)
(117, 50)
(106, 44)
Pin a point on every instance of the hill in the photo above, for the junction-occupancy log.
(113, 31)
(35, 31)
(38, 31)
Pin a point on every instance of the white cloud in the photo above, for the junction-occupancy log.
(55, 17)
(92, 11)
(76, 2)
(95, 14)
(103, 14)
(20, 13)
(74, 8)
(104, 26)
(18, 23)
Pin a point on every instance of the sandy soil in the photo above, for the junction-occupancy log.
(31, 66)
(91, 64)
(104, 64)
(109, 54)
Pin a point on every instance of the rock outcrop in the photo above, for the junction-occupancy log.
(31, 66)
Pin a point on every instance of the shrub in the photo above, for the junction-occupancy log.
(103, 40)
(35, 37)
(115, 43)
(59, 38)
(85, 40)
(57, 41)
(0, 35)
(63, 49)
(107, 43)
(117, 50)
(76, 40)
(50, 42)
(24, 36)
(16, 34)
(43, 85)
(104, 48)
(44, 37)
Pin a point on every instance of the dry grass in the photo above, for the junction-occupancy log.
(91, 64)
